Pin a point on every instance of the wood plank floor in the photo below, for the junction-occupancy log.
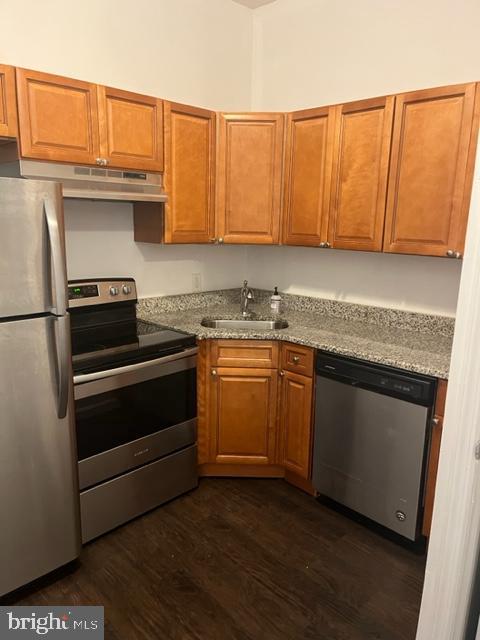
(244, 559)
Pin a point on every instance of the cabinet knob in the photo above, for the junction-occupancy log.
(450, 253)
(327, 245)
(457, 255)
(220, 240)
(322, 245)
(102, 162)
(435, 421)
(281, 373)
(214, 372)
(296, 359)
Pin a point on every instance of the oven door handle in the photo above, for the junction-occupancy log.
(99, 375)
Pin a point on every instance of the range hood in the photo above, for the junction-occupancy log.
(80, 181)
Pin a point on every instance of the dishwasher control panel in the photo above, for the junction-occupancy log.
(379, 378)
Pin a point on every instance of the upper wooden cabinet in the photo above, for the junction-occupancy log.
(67, 120)
(131, 129)
(308, 176)
(189, 173)
(360, 171)
(249, 177)
(8, 103)
(58, 118)
(431, 169)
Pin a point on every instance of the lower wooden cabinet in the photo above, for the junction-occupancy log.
(243, 415)
(295, 413)
(433, 457)
(254, 419)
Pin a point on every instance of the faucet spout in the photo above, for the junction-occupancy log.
(246, 296)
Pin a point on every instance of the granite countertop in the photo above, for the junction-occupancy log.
(411, 341)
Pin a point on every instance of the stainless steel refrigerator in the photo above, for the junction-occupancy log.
(39, 500)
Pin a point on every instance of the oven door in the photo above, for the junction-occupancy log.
(131, 415)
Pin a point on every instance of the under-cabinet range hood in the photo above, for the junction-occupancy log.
(80, 181)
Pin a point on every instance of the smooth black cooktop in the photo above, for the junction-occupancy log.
(96, 347)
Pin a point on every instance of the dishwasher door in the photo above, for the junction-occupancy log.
(369, 453)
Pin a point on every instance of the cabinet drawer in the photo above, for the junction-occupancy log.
(244, 353)
(297, 359)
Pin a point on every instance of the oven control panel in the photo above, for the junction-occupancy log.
(82, 293)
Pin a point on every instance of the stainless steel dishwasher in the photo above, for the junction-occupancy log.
(372, 426)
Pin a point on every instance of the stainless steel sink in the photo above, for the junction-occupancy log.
(245, 324)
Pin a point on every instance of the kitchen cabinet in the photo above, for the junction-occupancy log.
(131, 129)
(66, 120)
(189, 174)
(249, 177)
(8, 102)
(296, 422)
(254, 419)
(433, 146)
(360, 171)
(243, 415)
(58, 118)
(433, 457)
(308, 168)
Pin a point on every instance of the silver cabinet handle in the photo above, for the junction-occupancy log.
(435, 421)
(63, 358)
(450, 253)
(327, 245)
(281, 373)
(58, 256)
(457, 255)
(220, 240)
(102, 162)
(214, 372)
(296, 359)
(322, 245)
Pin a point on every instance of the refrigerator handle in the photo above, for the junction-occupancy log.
(63, 359)
(58, 261)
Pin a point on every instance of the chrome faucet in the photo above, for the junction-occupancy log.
(246, 295)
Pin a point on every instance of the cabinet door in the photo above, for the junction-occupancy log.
(8, 102)
(58, 118)
(434, 139)
(249, 177)
(189, 173)
(308, 176)
(243, 415)
(433, 457)
(131, 129)
(360, 171)
(296, 422)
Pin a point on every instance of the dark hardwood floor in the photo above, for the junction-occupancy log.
(244, 559)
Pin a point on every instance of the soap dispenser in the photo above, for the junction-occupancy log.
(275, 301)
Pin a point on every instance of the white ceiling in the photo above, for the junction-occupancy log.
(253, 4)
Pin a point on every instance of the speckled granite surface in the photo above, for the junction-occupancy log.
(410, 341)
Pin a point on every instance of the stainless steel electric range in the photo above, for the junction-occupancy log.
(135, 406)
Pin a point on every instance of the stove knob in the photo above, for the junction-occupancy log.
(126, 289)
(114, 291)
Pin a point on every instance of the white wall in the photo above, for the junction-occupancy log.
(193, 51)
(313, 52)
(416, 283)
(100, 243)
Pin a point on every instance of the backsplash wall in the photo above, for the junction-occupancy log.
(413, 283)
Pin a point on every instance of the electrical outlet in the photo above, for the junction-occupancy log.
(197, 281)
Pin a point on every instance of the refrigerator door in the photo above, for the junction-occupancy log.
(32, 248)
(39, 498)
